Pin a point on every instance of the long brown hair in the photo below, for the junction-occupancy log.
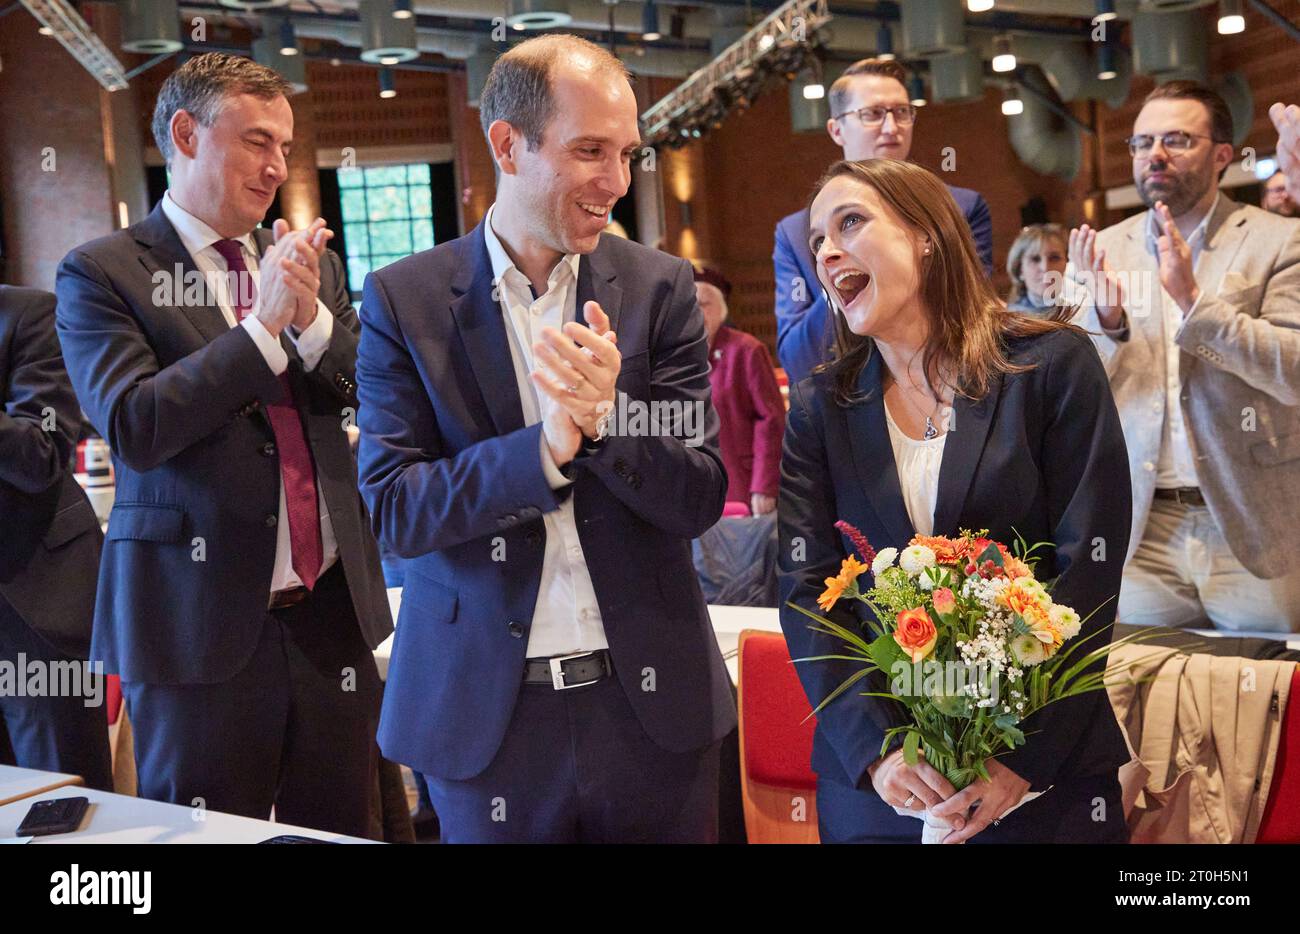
(969, 325)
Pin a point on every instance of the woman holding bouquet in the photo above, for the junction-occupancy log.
(941, 411)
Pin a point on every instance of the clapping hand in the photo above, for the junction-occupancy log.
(290, 276)
(1287, 120)
(578, 370)
(1107, 292)
(1176, 274)
(991, 800)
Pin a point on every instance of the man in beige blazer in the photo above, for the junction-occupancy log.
(1195, 309)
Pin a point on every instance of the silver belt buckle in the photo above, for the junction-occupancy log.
(557, 671)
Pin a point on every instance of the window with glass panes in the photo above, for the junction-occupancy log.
(387, 214)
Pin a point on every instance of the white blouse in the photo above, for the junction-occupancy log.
(918, 473)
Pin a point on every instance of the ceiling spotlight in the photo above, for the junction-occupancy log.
(1003, 58)
(288, 41)
(402, 9)
(386, 88)
(46, 31)
(885, 43)
(979, 6)
(1011, 102)
(1232, 18)
(1105, 11)
(1106, 69)
(650, 22)
(539, 14)
(916, 91)
(765, 42)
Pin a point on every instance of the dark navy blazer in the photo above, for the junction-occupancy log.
(803, 323)
(179, 396)
(454, 481)
(1041, 454)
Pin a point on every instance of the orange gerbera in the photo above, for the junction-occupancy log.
(946, 550)
(850, 570)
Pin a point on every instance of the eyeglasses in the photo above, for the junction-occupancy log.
(1174, 142)
(903, 115)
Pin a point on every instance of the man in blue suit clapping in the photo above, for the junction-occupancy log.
(537, 440)
(871, 118)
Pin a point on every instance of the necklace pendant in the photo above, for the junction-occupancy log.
(930, 431)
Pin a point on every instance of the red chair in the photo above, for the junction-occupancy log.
(1281, 821)
(777, 783)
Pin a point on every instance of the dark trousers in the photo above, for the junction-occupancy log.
(55, 734)
(576, 767)
(294, 729)
(1087, 809)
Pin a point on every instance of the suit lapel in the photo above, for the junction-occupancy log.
(596, 283)
(873, 455)
(968, 430)
(478, 318)
(164, 253)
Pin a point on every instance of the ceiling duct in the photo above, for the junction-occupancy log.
(538, 14)
(1170, 45)
(477, 67)
(956, 77)
(1044, 140)
(386, 40)
(933, 27)
(1071, 69)
(293, 68)
(150, 27)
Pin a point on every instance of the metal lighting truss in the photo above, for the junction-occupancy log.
(80, 40)
(780, 43)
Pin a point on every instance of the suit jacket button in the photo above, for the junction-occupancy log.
(271, 520)
(533, 537)
(268, 449)
(516, 629)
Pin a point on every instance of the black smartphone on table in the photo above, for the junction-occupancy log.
(56, 815)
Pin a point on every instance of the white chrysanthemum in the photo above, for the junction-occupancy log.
(916, 558)
(884, 560)
(934, 577)
(1065, 620)
(1028, 650)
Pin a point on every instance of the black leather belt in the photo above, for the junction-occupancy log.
(286, 598)
(569, 671)
(1187, 495)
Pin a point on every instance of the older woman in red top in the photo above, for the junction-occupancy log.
(746, 397)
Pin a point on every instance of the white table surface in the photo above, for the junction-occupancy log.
(16, 783)
(121, 819)
(728, 621)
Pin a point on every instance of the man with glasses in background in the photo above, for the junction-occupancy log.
(1195, 310)
(871, 118)
(1276, 198)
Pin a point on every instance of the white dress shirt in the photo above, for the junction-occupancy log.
(566, 618)
(1176, 466)
(198, 239)
(918, 461)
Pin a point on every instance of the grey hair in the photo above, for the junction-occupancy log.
(201, 85)
(518, 88)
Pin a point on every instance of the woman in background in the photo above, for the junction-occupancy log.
(1036, 265)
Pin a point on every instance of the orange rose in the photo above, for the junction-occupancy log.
(915, 633)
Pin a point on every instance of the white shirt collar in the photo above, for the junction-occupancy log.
(195, 234)
(1198, 235)
(503, 265)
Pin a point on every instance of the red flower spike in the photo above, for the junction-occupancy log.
(860, 543)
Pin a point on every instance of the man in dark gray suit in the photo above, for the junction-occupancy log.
(49, 556)
(241, 592)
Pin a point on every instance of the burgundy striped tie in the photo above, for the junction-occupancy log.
(296, 467)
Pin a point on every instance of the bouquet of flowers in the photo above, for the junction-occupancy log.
(970, 641)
